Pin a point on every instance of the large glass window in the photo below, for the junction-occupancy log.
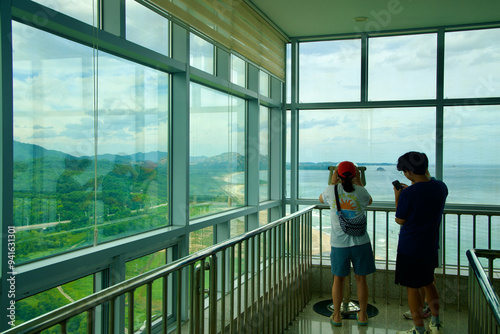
(472, 67)
(330, 71)
(83, 10)
(374, 138)
(140, 266)
(201, 54)
(84, 161)
(50, 300)
(217, 170)
(472, 154)
(402, 67)
(238, 71)
(154, 34)
(264, 83)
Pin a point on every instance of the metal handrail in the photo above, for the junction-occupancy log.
(482, 319)
(89, 303)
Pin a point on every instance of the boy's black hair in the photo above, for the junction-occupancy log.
(415, 162)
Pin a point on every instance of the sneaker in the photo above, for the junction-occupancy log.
(436, 328)
(412, 331)
(427, 313)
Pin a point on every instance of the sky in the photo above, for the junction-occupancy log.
(54, 91)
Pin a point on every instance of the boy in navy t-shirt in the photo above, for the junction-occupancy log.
(419, 209)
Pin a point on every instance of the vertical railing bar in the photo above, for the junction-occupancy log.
(131, 307)
(301, 260)
(248, 261)
(270, 281)
(258, 309)
(275, 282)
(192, 297)
(179, 300)
(251, 257)
(223, 291)
(320, 252)
(90, 321)
(164, 306)
(201, 298)
(288, 274)
(444, 261)
(212, 295)
(232, 260)
(112, 316)
(295, 267)
(282, 276)
(264, 270)
(387, 258)
(63, 326)
(309, 252)
(149, 303)
(374, 255)
(309, 257)
(459, 225)
(240, 272)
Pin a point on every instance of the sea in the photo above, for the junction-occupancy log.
(467, 184)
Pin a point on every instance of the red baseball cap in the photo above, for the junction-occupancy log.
(346, 169)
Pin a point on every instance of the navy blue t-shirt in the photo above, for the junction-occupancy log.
(421, 205)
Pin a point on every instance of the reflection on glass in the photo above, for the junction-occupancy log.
(201, 239)
(79, 9)
(56, 179)
(374, 138)
(263, 217)
(264, 154)
(50, 300)
(472, 154)
(263, 83)
(471, 66)
(201, 54)
(402, 67)
(217, 151)
(153, 35)
(330, 71)
(140, 266)
(237, 227)
(238, 71)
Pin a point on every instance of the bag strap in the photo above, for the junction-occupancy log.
(337, 198)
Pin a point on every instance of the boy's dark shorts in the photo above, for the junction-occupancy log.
(415, 271)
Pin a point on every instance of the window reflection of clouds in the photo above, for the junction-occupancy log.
(153, 35)
(402, 67)
(79, 9)
(371, 135)
(472, 64)
(55, 86)
(329, 71)
(216, 122)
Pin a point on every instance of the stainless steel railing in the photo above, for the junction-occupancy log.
(484, 304)
(256, 282)
(463, 227)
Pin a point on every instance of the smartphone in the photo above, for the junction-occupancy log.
(397, 185)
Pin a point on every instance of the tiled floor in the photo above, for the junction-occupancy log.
(389, 320)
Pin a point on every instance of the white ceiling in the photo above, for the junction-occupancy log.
(302, 18)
